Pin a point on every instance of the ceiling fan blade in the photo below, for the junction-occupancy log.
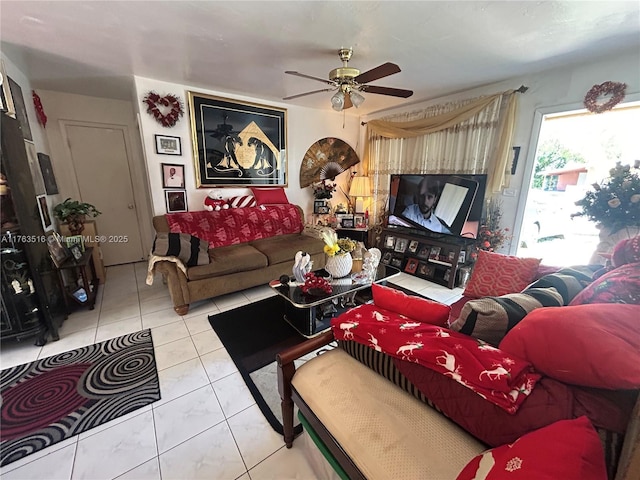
(394, 92)
(380, 71)
(297, 74)
(307, 93)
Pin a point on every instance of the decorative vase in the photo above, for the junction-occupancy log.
(339, 265)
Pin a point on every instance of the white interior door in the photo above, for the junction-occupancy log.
(101, 163)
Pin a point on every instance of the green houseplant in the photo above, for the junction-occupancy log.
(74, 213)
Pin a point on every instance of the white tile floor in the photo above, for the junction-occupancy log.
(206, 425)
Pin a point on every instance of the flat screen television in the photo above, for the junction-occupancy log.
(435, 204)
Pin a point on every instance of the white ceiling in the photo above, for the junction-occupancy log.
(95, 47)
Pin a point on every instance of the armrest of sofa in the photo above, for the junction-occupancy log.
(177, 282)
(286, 370)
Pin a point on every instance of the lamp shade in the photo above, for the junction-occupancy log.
(337, 101)
(356, 98)
(360, 187)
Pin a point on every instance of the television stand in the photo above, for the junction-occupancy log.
(436, 260)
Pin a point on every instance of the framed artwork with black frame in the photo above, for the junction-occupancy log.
(514, 162)
(412, 265)
(20, 108)
(76, 251)
(401, 245)
(50, 185)
(348, 222)
(396, 262)
(172, 175)
(237, 143)
(167, 145)
(386, 258)
(58, 252)
(424, 251)
(176, 200)
(413, 246)
(319, 206)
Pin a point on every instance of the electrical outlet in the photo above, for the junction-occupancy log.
(509, 192)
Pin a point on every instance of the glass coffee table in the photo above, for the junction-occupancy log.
(311, 315)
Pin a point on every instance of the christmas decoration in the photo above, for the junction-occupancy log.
(42, 118)
(615, 89)
(490, 235)
(314, 285)
(154, 101)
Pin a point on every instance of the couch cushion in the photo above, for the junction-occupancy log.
(568, 450)
(269, 196)
(490, 318)
(354, 403)
(568, 282)
(594, 345)
(495, 274)
(232, 259)
(283, 248)
(416, 308)
(621, 285)
(242, 201)
(189, 249)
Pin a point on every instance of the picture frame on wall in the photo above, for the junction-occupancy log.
(237, 143)
(172, 175)
(45, 216)
(175, 200)
(50, 185)
(21, 109)
(168, 145)
(36, 176)
(6, 99)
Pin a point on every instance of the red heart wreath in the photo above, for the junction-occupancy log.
(153, 100)
(615, 89)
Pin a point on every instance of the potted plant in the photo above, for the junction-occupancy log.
(74, 213)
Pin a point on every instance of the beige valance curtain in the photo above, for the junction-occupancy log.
(472, 136)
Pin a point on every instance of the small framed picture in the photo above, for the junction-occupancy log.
(75, 240)
(166, 145)
(422, 268)
(176, 200)
(451, 256)
(58, 252)
(412, 265)
(347, 223)
(447, 275)
(323, 210)
(424, 252)
(396, 262)
(413, 246)
(462, 257)
(358, 220)
(389, 241)
(45, 217)
(76, 251)
(401, 245)
(386, 258)
(319, 205)
(172, 175)
(434, 253)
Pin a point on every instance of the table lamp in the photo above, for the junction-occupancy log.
(360, 187)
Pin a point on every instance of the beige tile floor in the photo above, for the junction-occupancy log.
(206, 425)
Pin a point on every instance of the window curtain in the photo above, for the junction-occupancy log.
(471, 136)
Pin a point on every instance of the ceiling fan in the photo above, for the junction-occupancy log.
(349, 82)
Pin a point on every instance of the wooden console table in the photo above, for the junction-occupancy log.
(90, 285)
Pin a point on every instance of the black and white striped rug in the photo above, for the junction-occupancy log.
(55, 398)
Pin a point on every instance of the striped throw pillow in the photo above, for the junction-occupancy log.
(490, 318)
(568, 282)
(189, 249)
(243, 201)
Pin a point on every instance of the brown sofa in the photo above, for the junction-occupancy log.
(235, 267)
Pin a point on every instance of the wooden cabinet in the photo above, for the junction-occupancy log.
(435, 260)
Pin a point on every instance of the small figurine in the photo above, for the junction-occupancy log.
(302, 266)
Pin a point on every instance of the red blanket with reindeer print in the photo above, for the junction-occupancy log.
(497, 377)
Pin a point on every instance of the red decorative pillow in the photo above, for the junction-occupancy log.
(595, 345)
(621, 285)
(269, 196)
(567, 450)
(416, 308)
(242, 202)
(495, 274)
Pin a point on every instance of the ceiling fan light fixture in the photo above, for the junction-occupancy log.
(337, 101)
(356, 98)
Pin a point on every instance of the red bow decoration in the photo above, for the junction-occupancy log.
(153, 100)
(42, 118)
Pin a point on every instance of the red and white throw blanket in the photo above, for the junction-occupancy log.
(498, 377)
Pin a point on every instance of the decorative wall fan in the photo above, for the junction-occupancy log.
(349, 82)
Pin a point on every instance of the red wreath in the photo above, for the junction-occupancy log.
(615, 89)
(42, 118)
(153, 100)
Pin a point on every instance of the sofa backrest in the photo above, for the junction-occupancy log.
(234, 225)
